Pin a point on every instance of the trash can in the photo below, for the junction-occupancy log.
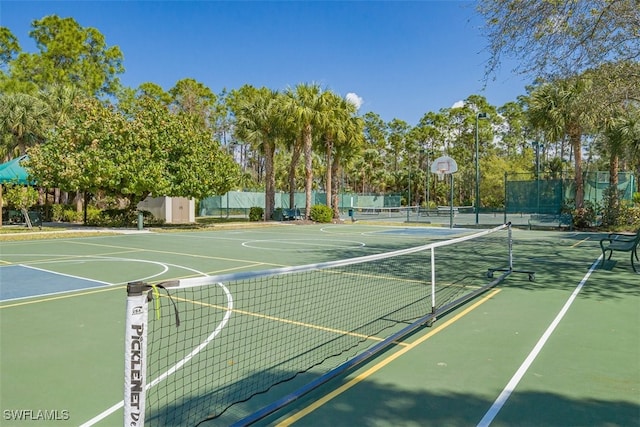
(351, 213)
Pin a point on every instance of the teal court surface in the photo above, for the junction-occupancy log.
(563, 350)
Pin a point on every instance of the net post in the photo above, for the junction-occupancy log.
(135, 369)
(510, 246)
(433, 285)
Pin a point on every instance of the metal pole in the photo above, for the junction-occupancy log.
(409, 201)
(428, 171)
(538, 177)
(477, 202)
(506, 206)
(451, 205)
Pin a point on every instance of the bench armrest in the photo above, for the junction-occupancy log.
(622, 236)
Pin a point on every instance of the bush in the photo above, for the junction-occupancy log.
(57, 212)
(20, 197)
(321, 213)
(256, 213)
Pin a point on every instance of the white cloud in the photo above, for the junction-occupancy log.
(458, 104)
(354, 99)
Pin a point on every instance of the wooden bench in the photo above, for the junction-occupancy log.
(619, 242)
(551, 220)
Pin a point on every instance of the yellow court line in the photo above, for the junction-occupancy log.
(317, 404)
(279, 319)
(581, 241)
(110, 288)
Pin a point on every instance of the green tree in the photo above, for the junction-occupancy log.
(345, 151)
(561, 38)
(68, 54)
(561, 110)
(193, 97)
(307, 112)
(9, 47)
(23, 120)
(100, 150)
(258, 117)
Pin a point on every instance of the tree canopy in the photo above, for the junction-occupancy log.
(561, 38)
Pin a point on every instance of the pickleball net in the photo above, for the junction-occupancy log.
(197, 348)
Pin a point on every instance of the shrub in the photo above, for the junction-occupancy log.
(93, 215)
(20, 197)
(256, 213)
(584, 217)
(321, 213)
(70, 214)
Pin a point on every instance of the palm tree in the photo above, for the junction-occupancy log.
(345, 150)
(23, 120)
(337, 118)
(259, 115)
(306, 109)
(563, 109)
(621, 135)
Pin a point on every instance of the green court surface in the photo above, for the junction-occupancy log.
(563, 350)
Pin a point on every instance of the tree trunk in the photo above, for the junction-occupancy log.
(575, 136)
(308, 170)
(614, 201)
(270, 180)
(335, 171)
(79, 199)
(295, 158)
(329, 188)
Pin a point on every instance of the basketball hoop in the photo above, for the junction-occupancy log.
(442, 166)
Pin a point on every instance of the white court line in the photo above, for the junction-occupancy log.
(510, 387)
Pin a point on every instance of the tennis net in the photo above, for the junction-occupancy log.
(196, 348)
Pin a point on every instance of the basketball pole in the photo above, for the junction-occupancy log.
(451, 204)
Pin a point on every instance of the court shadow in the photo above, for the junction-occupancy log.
(373, 404)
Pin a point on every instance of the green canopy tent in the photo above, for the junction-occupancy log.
(12, 172)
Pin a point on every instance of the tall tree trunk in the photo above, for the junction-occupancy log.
(329, 162)
(575, 136)
(308, 170)
(79, 201)
(335, 171)
(270, 180)
(614, 200)
(295, 158)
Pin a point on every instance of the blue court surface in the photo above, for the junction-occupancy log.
(18, 281)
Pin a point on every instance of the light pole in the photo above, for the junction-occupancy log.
(477, 203)
(426, 187)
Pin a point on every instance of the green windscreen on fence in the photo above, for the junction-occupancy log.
(595, 184)
(538, 196)
(548, 196)
(235, 201)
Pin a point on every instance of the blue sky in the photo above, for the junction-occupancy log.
(402, 59)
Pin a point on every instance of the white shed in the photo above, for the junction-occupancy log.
(173, 210)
